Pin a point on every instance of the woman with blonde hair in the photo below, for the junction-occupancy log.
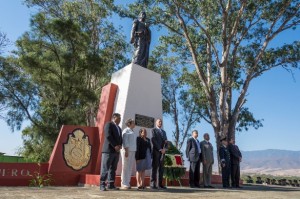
(128, 153)
(143, 157)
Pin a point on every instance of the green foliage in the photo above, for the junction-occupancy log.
(246, 119)
(17, 93)
(264, 177)
(40, 180)
(172, 173)
(3, 41)
(58, 70)
(168, 161)
(172, 149)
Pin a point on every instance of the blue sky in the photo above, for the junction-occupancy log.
(273, 97)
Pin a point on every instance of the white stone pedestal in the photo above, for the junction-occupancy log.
(139, 92)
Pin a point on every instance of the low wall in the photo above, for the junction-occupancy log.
(20, 174)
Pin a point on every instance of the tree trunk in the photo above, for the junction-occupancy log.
(218, 144)
(90, 116)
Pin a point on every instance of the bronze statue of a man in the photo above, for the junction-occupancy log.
(140, 38)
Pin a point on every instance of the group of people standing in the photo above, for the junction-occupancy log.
(149, 154)
(230, 157)
(134, 150)
(198, 152)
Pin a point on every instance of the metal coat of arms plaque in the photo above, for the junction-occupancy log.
(77, 150)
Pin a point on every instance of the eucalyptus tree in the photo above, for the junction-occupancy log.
(228, 43)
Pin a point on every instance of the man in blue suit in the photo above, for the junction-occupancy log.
(110, 153)
(225, 162)
(193, 152)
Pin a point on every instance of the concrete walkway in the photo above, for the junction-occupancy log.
(253, 191)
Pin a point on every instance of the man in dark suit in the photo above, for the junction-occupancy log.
(110, 153)
(159, 142)
(193, 153)
(225, 162)
(236, 158)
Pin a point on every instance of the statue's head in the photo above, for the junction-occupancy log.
(142, 15)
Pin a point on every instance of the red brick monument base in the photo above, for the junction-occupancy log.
(77, 151)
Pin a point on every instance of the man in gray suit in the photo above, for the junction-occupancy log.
(207, 160)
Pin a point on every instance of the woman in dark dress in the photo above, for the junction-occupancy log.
(143, 157)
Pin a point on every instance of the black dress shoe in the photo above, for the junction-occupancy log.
(153, 187)
(113, 188)
(162, 187)
(103, 189)
(192, 186)
(211, 187)
(197, 186)
(206, 187)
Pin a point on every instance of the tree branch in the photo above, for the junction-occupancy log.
(204, 30)
(19, 101)
(269, 36)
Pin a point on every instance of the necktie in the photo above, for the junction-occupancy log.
(161, 133)
(198, 145)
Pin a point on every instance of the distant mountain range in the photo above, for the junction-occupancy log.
(272, 161)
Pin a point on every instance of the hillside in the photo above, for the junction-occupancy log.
(271, 161)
